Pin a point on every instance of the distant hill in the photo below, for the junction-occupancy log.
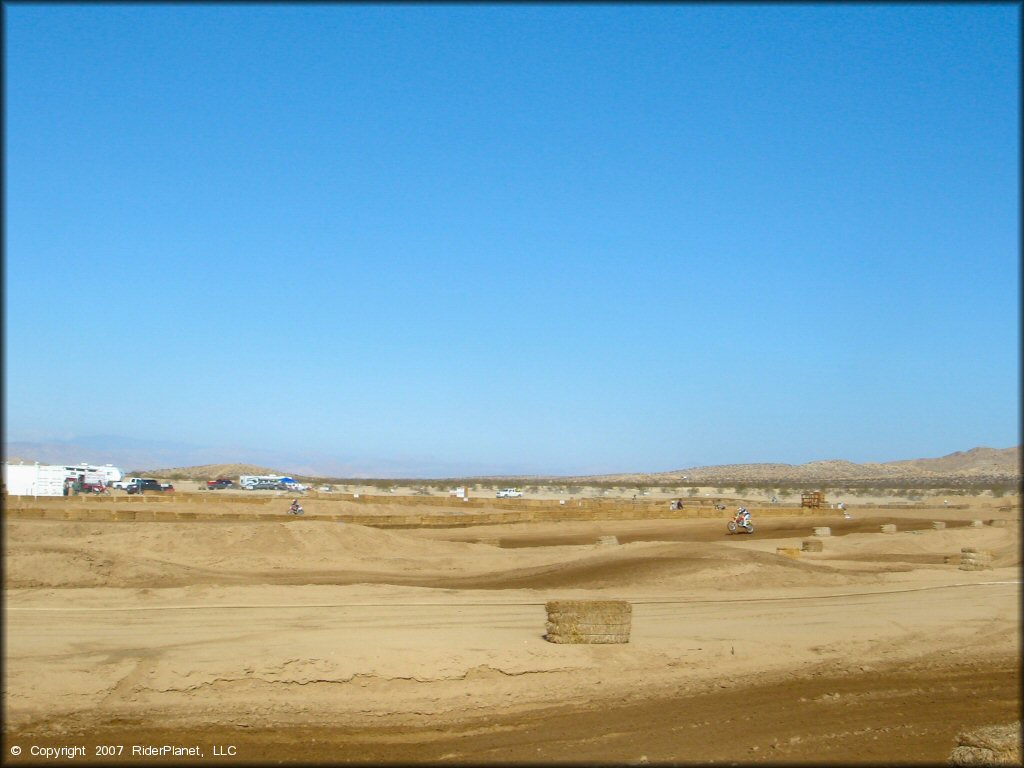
(989, 464)
(208, 471)
(1001, 465)
(974, 461)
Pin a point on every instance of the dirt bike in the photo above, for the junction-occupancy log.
(741, 524)
(295, 509)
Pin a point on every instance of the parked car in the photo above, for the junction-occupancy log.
(139, 486)
(508, 493)
(220, 482)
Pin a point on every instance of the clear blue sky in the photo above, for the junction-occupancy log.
(498, 238)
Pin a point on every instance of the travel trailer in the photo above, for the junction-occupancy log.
(35, 479)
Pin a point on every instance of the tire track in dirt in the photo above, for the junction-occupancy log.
(910, 713)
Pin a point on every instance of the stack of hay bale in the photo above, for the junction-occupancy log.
(992, 745)
(823, 531)
(889, 528)
(976, 524)
(607, 541)
(972, 559)
(588, 621)
(938, 525)
(812, 545)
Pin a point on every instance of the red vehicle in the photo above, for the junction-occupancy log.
(220, 482)
(94, 488)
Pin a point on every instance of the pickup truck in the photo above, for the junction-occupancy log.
(220, 482)
(148, 485)
(508, 493)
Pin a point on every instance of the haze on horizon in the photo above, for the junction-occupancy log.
(444, 240)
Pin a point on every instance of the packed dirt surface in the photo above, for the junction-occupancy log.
(308, 640)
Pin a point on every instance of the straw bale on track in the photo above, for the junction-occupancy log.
(991, 745)
(973, 559)
(588, 621)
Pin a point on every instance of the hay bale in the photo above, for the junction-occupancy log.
(823, 531)
(889, 528)
(972, 559)
(608, 541)
(979, 554)
(976, 524)
(787, 551)
(588, 621)
(951, 559)
(812, 545)
(938, 525)
(997, 523)
(990, 745)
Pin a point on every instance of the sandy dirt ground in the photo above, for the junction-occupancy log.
(304, 640)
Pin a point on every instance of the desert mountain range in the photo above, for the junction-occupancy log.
(976, 465)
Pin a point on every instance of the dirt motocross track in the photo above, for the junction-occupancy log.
(318, 641)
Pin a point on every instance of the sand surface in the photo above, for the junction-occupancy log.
(325, 641)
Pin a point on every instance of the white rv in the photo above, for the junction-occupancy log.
(250, 482)
(108, 474)
(270, 482)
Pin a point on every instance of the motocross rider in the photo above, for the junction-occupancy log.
(744, 514)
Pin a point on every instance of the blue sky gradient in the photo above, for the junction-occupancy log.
(499, 239)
